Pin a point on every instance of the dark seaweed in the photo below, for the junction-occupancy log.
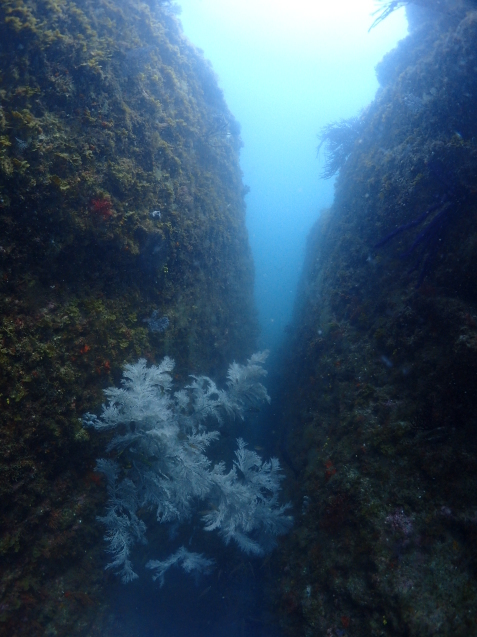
(339, 139)
(430, 239)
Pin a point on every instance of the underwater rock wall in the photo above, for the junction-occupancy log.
(122, 234)
(381, 383)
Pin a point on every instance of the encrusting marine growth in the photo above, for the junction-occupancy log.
(122, 235)
(164, 436)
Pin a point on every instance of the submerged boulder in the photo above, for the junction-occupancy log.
(121, 199)
(380, 393)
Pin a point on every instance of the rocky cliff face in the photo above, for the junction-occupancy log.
(381, 391)
(122, 235)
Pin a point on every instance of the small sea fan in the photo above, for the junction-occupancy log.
(163, 439)
(157, 324)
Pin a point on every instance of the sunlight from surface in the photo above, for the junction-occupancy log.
(287, 69)
(285, 23)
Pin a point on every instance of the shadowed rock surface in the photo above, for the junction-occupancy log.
(380, 397)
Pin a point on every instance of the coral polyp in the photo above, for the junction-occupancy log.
(102, 207)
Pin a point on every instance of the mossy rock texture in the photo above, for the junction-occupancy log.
(121, 196)
(380, 396)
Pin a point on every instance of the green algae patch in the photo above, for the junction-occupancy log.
(121, 196)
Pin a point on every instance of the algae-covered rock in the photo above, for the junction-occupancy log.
(121, 204)
(381, 393)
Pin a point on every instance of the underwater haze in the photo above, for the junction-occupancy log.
(287, 69)
(238, 396)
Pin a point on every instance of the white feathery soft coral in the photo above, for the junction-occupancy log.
(162, 440)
